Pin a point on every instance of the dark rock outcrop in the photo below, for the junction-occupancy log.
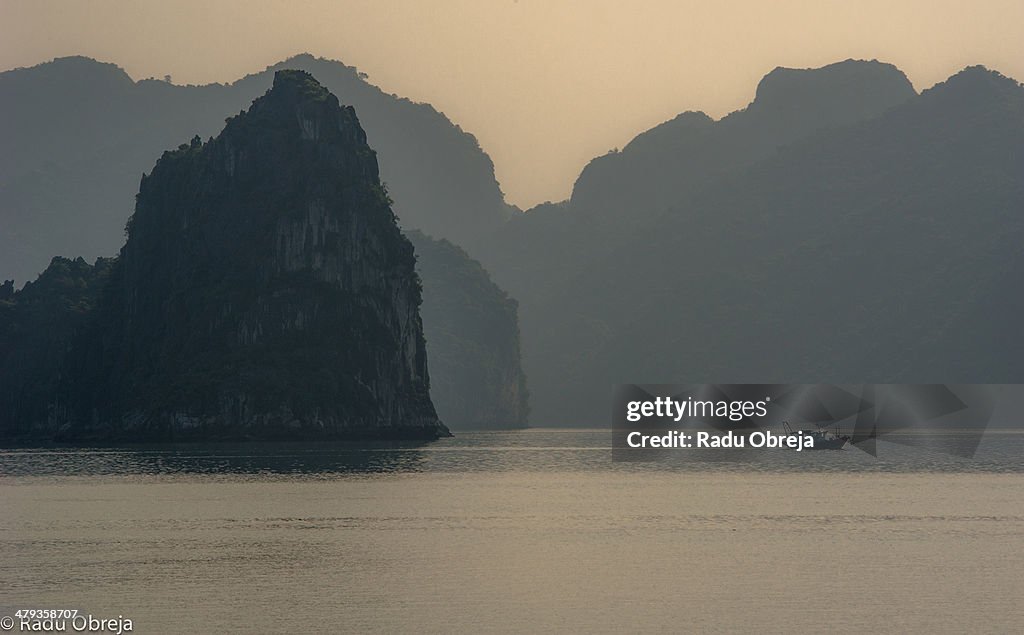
(38, 325)
(472, 331)
(265, 291)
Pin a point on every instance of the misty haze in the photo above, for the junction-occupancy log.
(313, 316)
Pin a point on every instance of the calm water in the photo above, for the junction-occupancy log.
(525, 531)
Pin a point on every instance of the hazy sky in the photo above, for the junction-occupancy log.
(545, 85)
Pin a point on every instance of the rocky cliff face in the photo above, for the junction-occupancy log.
(265, 291)
(472, 330)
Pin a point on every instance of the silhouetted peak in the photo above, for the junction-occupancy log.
(301, 58)
(975, 84)
(81, 63)
(298, 102)
(77, 69)
(690, 118)
(851, 84)
(317, 65)
(297, 86)
(679, 127)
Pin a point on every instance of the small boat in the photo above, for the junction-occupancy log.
(822, 438)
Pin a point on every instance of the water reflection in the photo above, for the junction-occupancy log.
(534, 450)
(216, 458)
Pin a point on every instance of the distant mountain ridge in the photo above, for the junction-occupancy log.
(869, 248)
(684, 152)
(619, 191)
(78, 134)
(841, 228)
